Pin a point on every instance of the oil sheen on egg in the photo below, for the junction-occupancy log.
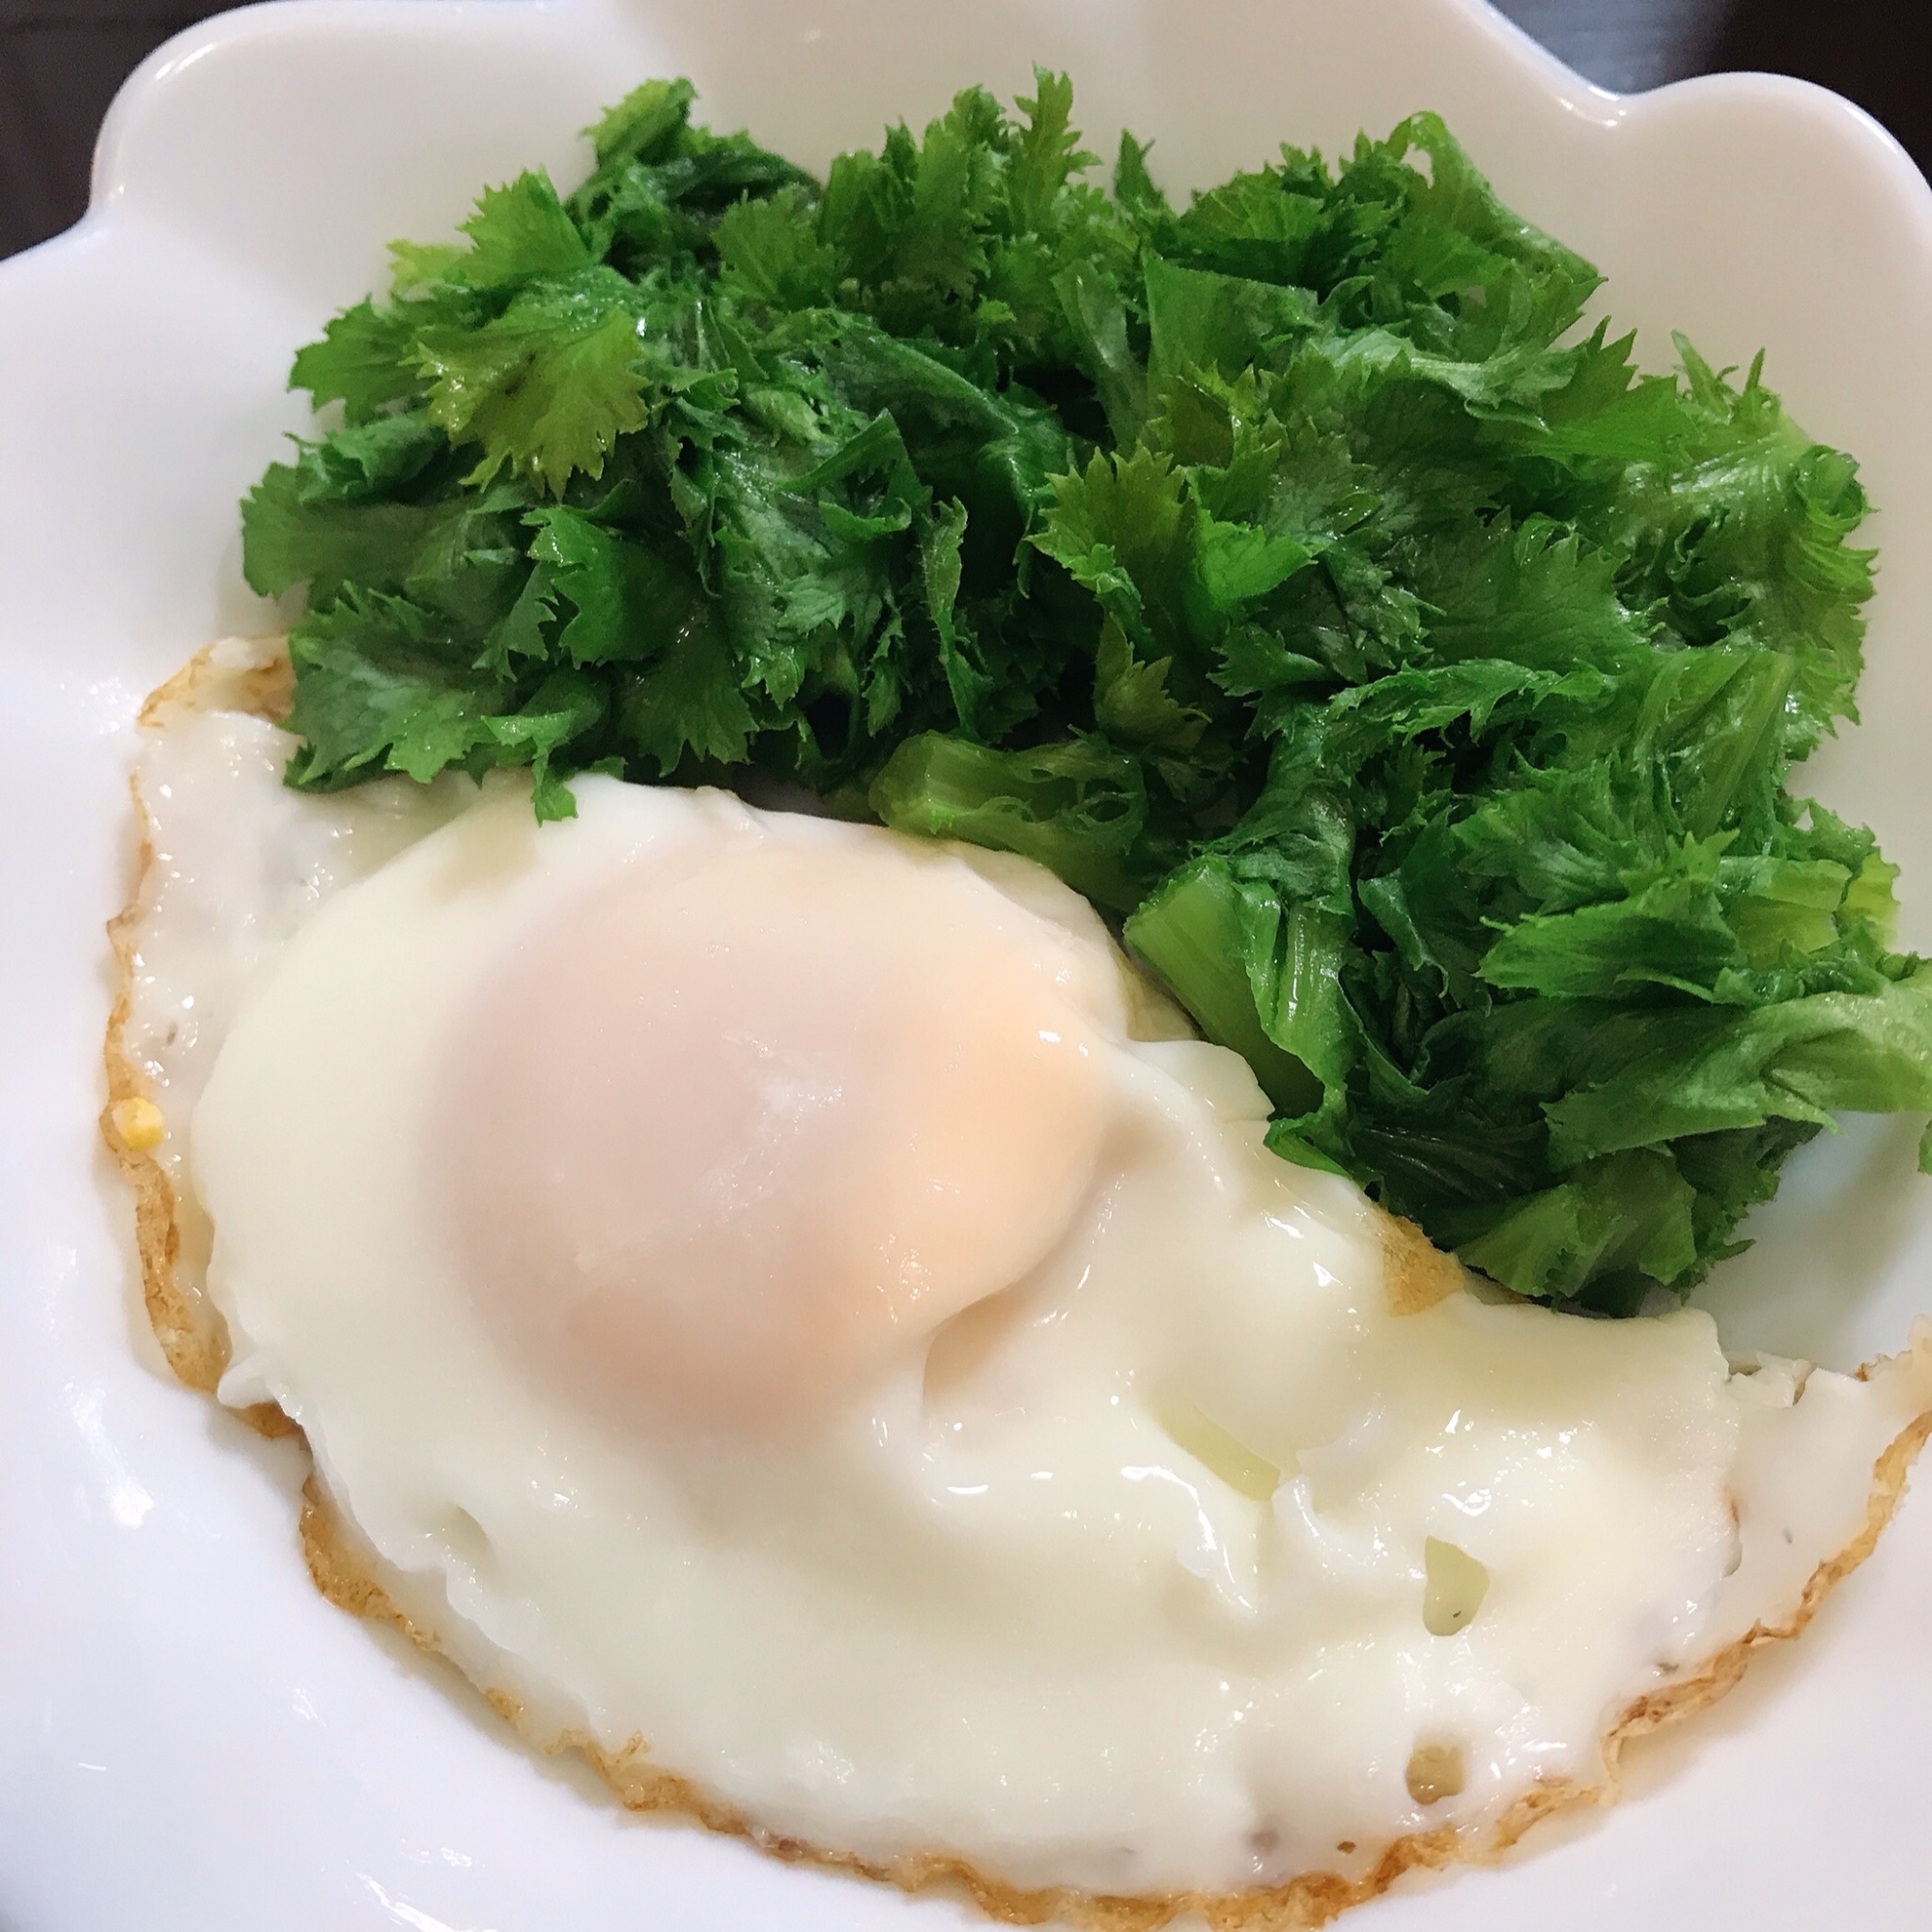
(741, 1268)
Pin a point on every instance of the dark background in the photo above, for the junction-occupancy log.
(61, 61)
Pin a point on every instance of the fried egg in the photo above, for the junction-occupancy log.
(781, 1304)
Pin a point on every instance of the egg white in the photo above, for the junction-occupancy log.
(1120, 1583)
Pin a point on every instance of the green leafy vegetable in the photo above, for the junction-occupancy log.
(1290, 570)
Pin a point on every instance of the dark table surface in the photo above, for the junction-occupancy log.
(61, 61)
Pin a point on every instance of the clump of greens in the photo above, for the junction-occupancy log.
(1418, 680)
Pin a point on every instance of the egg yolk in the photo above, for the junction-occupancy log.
(732, 1133)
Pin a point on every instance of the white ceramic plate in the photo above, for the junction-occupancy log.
(189, 1737)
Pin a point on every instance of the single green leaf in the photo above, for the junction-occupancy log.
(517, 232)
(548, 386)
(1077, 806)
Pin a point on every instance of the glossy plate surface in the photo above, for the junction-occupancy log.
(189, 1737)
